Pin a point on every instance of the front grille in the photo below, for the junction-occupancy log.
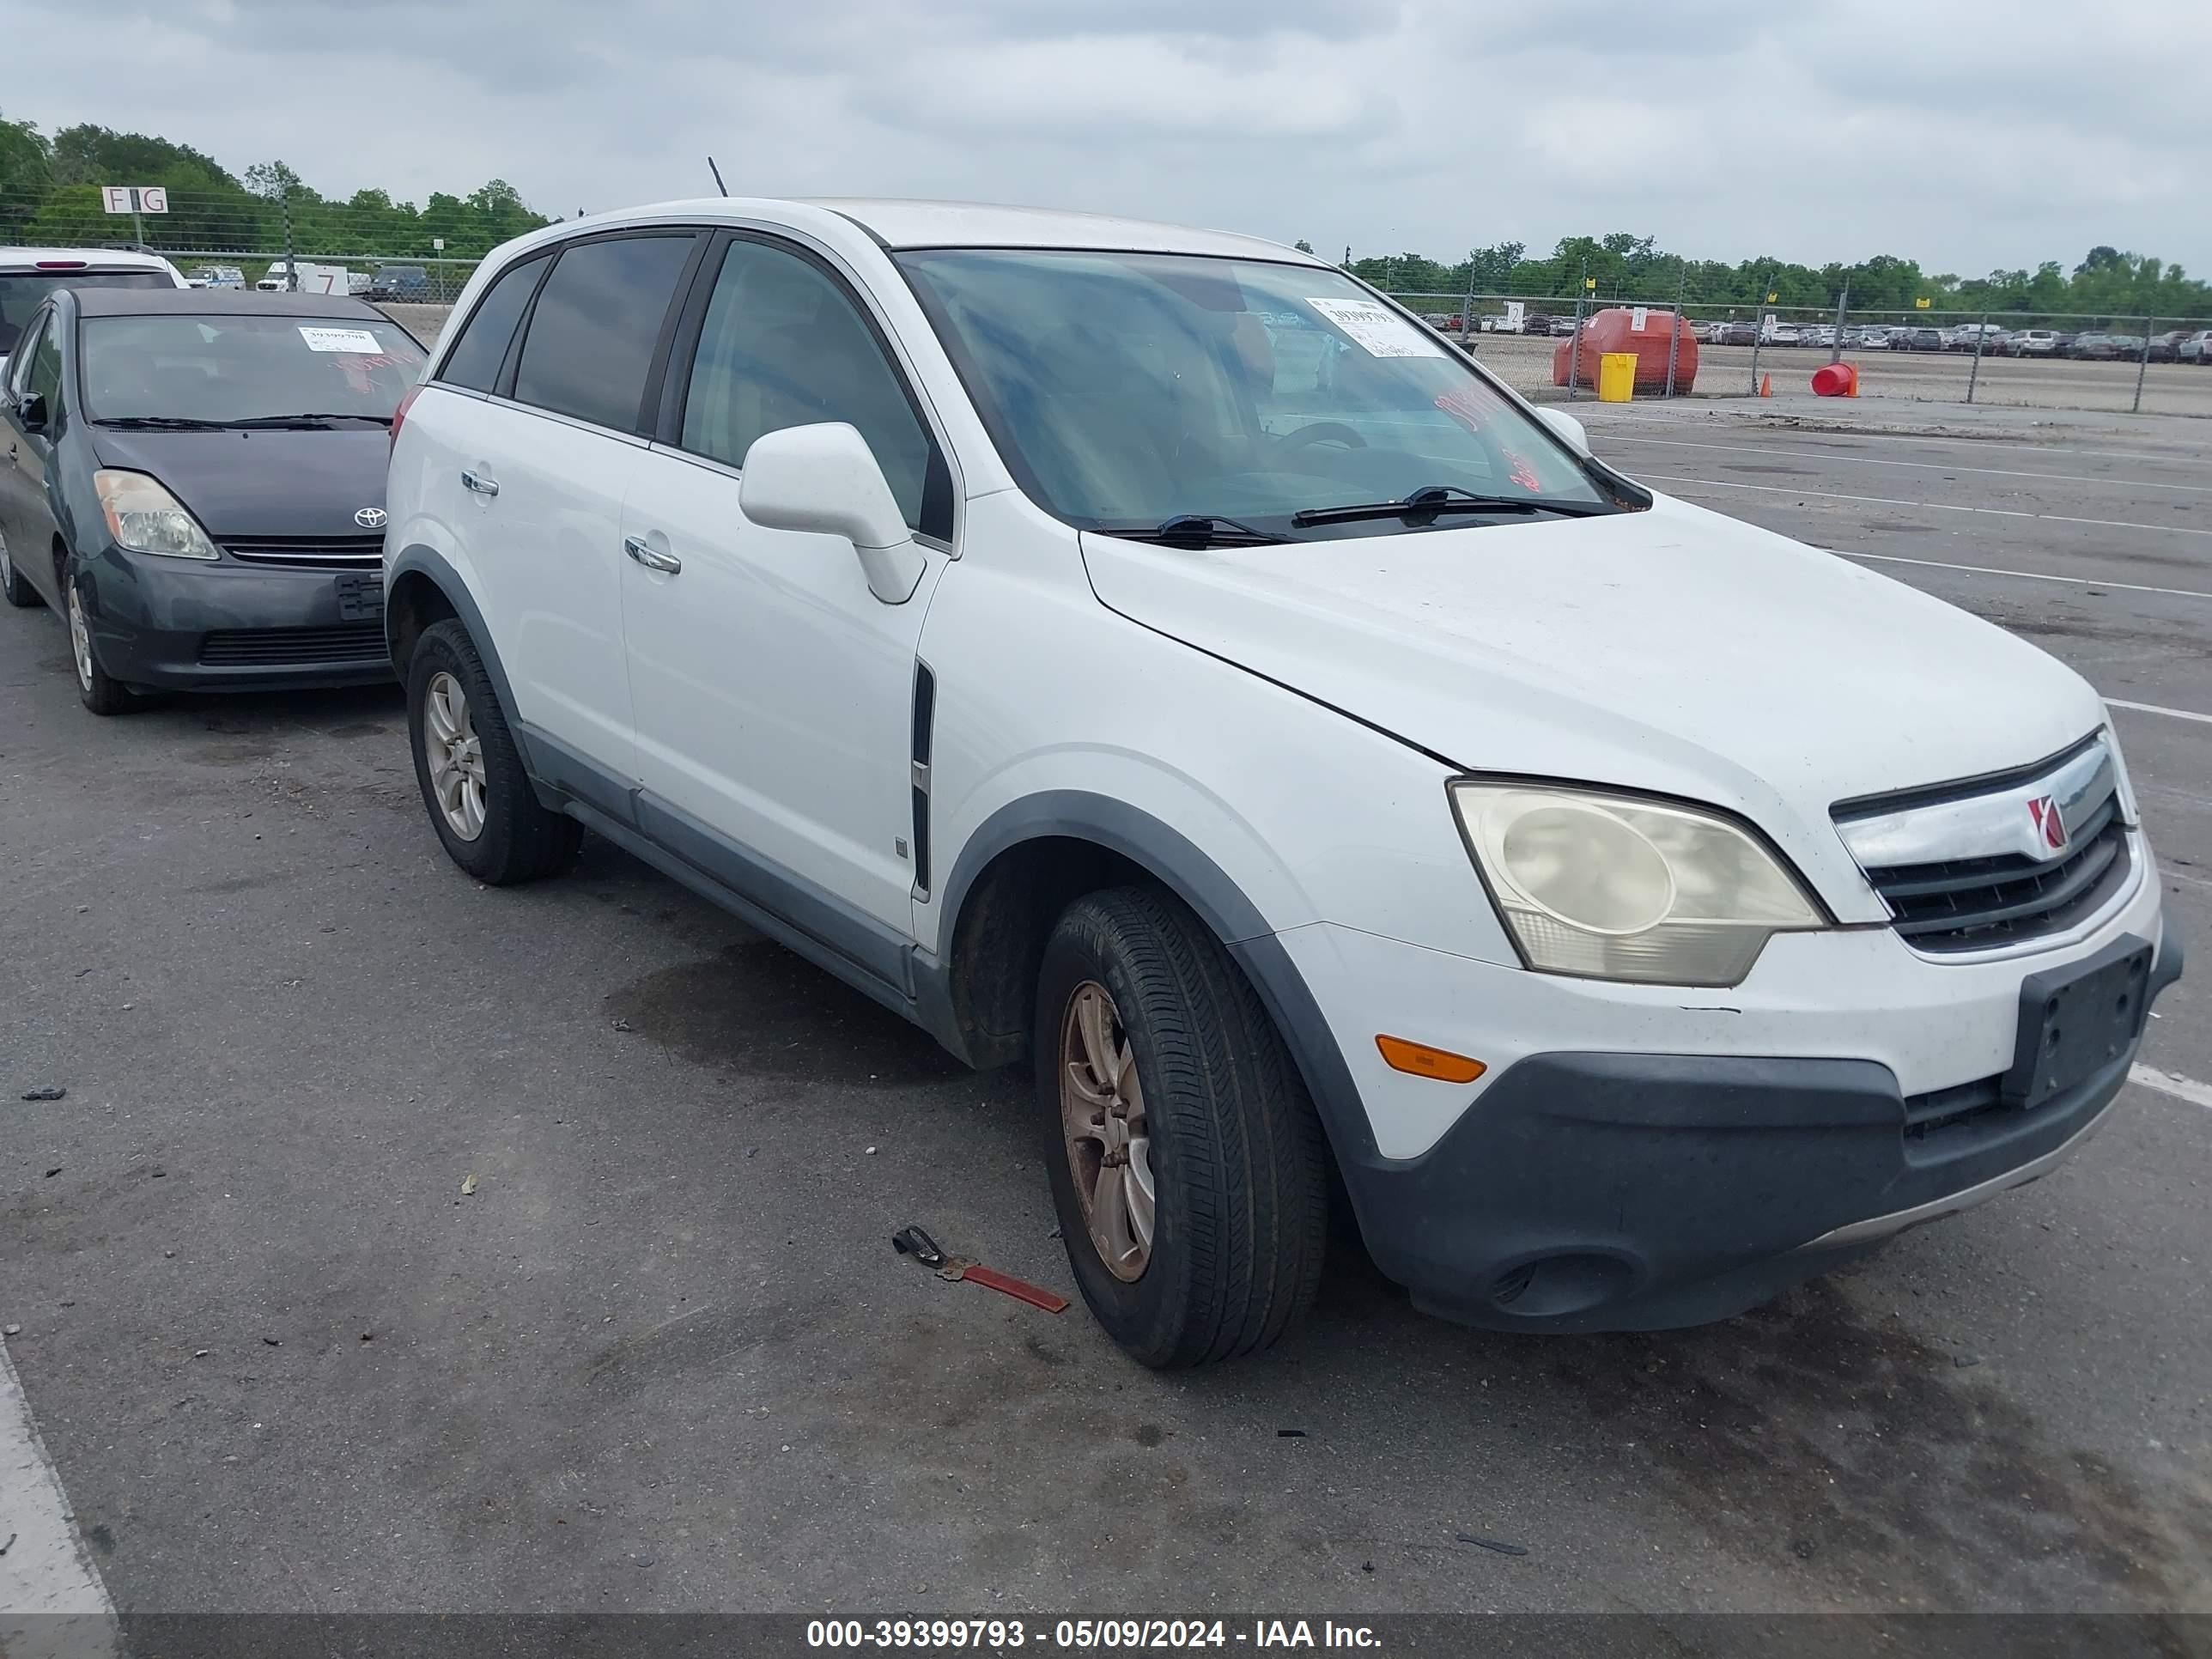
(1979, 904)
(1954, 1108)
(313, 552)
(269, 647)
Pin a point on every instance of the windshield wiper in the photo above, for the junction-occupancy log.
(161, 423)
(1199, 529)
(315, 418)
(1445, 498)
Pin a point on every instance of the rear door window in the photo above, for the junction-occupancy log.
(589, 349)
(475, 360)
(46, 371)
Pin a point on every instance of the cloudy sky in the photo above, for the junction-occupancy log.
(1969, 134)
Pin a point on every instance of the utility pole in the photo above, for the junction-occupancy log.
(291, 257)
(1674, 334)
(1836, 347)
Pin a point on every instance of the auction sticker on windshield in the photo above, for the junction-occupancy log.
(1376, 329)
(340, 340)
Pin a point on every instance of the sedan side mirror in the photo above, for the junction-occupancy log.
(31, 410)
(1564, 425)
(824, 480)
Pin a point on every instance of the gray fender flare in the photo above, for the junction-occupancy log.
(1192, 876)
(417, 559)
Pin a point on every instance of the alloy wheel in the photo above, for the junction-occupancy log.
(456, 755)
(80, 639)
(1109, 1136)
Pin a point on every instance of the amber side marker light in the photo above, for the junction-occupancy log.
(1422, 1060)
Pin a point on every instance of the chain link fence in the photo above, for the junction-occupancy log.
(2060, 361)
(286, 238)
(421, 258)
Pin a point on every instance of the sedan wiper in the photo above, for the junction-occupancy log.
(1199, 529)
(316, 418)
(1445, 498)
(161, 423)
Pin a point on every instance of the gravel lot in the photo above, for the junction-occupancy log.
(663, 1358)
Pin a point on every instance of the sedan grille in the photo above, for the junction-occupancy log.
(271, 648)
(313, 552)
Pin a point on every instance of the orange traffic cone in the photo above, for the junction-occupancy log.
(1767, 385)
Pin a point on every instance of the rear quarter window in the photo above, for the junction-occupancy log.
(589, 346)
(475, 360)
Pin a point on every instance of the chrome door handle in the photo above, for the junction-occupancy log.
(478, 482)
(666, 562)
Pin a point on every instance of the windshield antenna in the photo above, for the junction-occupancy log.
(717, 171)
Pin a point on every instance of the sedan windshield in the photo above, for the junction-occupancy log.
(1127, 391)
(221, 369)
(21, 290)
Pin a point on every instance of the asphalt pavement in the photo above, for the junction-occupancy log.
(661, 1356)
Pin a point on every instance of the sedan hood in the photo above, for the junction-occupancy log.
(1673, 650)
(262, 483)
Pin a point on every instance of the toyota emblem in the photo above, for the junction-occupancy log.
(371, 518)
(2044, 811)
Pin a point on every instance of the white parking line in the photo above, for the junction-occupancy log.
(1930, 506)
(2169, 1083)
(1920, 466)
(2154, 708)
(2024, 575)
(46, 1572)
(1857, 434)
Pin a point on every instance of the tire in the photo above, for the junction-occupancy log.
(514, 838)
(14, 588)
(1239, 1203)
(94, 689)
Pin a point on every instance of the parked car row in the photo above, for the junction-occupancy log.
(969, 599)
(2176, 345)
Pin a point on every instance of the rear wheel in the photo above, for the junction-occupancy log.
(17, 592)
(94, 689)
(470, 771)
(1186, 1163)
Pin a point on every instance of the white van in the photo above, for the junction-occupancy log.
(1151, 655)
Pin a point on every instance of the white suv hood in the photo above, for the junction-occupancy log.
(1674, 650)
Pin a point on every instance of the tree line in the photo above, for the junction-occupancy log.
(49, 194)
(2106, 283)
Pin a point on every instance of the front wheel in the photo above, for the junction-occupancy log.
(1186, 1163)
(471, 774)
(94, 689)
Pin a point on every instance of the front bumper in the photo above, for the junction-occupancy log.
(225, 625)
(1650, 1184)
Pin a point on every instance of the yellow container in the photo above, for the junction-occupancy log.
(1616, 377)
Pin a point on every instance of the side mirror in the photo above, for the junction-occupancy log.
(1566, 426)
(824, 480)
(31, 410)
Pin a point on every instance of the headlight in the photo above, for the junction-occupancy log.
(1612, 887)
(145, 518)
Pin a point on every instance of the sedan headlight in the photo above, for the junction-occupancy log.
(146, 517)
(1612, 887)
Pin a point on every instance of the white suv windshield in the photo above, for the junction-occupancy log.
(1128, 390)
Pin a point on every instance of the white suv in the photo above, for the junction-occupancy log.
(1150, 652)
(27, 275)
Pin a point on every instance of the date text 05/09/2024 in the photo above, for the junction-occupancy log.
(1084, 1635)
